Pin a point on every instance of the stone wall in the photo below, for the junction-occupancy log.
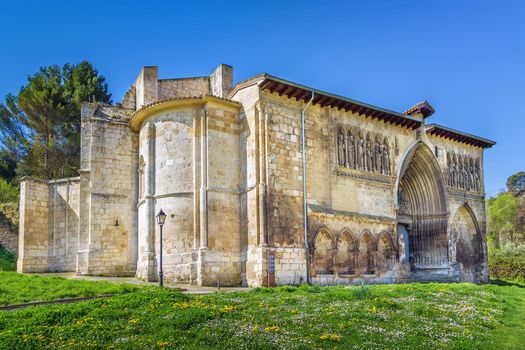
(189, 168)
(221, 81)
(148, 89)
(34, 243)
(166, 145)
(49, 222)
(63, 220)
(184, 87)
(108, 193)
(8, 237)
(223, 260)
(357, 204)
(9, 227)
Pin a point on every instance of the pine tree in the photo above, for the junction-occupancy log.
(40, 127)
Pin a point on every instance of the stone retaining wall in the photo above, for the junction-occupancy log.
(8, 236)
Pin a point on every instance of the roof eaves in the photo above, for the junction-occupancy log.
(346, 99)
(486, 142)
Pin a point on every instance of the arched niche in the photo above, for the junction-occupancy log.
(422, 201)
(466, 243)
(360, 150)
(366, 261)
(369, 150)
(341, 146)
(385, 159)
(345, 256)
(386, 252)
(378, 153)
(351, 148)
(324, 249)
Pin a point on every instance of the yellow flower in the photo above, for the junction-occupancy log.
(333, 337)
(227, 308)
(271, 329)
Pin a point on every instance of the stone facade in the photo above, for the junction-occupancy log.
(387, 199)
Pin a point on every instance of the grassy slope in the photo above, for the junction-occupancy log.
(431, 316)
(16, 288)
(511, 334)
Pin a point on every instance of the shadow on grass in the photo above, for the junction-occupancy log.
(506, 283)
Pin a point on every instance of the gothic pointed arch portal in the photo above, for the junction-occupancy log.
(422, 203)
(466, 243)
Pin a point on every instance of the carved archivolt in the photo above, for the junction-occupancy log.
(463, 172)
(422, 197)
(369, 152)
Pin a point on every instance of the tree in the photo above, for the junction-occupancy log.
(13, 134)
(43, 104)
(7, 166)
(40, 127)
(82, 83)
(516, 183)
(501, 212)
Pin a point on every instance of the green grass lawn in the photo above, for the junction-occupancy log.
(16, 288)
(415, 316)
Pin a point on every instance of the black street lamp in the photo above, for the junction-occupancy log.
(161, 219)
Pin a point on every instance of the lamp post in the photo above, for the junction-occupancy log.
(161, 219)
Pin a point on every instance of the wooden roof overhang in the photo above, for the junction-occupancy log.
(325, 99)
(458, 136)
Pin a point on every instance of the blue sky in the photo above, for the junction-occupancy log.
(466, 57)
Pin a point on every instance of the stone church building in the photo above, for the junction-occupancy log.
(374, 195)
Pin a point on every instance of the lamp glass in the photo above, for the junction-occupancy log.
(161, 217)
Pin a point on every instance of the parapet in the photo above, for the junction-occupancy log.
(148, 88)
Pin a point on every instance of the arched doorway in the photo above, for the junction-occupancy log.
(422, 204)
(466, 242)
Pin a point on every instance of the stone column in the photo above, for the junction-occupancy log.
(84, 222)
(263, 176)
(403, 267)
(196, 180)
(203, 199)
(204, 181)
(149, 195)
(66, 217)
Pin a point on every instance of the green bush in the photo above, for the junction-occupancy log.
(8, 192)
(7, 260)
(507, 267)
(9, 214)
